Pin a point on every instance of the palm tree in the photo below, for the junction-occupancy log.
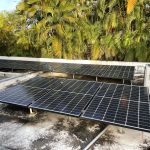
(105, 29)
(50, 22)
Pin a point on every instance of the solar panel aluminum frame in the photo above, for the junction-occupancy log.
(16, 104)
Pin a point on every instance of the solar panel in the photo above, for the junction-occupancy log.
(121, 105)
(66, 96)
(62, 102)
(66, 85)
(25, 65)
(19, 95)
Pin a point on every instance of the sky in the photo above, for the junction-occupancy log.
(8, 5)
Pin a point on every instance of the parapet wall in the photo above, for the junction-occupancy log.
(139, 66)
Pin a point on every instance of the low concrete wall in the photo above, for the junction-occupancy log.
(147, 77)
(76, 61)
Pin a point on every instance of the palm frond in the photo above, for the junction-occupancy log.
(57, 47)
(130, 5)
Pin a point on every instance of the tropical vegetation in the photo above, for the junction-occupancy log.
(78, 29)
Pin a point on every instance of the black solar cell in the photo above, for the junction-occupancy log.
(144, 96)
(144, 115)
(132, 118)
(111, 112)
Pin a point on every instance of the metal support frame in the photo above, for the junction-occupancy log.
(121, 130)
(32, 113)
(96, 79)
(73, 76)
(69, 118)
(142, 135)
(31, 110)
(123, 81)
(96, 138)
(131, 82)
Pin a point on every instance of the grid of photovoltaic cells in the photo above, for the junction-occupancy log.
(20, 95)
(62, 102)
(103, 71)
(66, 85)
(122, 105)
(118, 104)
(25, 65)
(66, 96)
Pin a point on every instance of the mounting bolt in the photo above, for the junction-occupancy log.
(32, 113)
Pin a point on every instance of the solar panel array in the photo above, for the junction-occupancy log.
(122, 105)
(118, 104)
(103, 71)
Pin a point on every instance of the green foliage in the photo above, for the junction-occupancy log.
(77, 29)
